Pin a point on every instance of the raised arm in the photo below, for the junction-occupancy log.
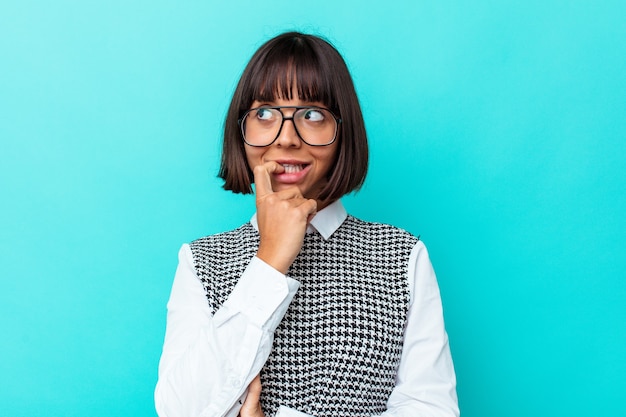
(209, 360)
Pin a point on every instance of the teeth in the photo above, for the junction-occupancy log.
(290, 169)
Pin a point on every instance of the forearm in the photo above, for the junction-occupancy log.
(209, 360)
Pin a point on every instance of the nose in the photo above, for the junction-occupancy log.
(288, 136)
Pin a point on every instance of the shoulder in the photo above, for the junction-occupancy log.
(225, 238)
(379, 232)
(213, 255)
(225, 244)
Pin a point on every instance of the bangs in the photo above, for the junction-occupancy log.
(294, 64)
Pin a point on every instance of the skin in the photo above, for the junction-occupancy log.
(251, 406)
(285, 204)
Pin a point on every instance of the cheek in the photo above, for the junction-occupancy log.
(254, 157)
(328, 158)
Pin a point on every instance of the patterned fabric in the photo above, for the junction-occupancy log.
(337, 350)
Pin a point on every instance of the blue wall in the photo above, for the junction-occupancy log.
(497, 133)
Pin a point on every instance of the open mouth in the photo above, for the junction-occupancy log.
(292, 169)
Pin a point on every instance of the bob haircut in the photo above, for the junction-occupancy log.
(319, 74)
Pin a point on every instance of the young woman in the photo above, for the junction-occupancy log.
(305, 310)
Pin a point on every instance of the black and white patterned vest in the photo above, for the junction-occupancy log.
(337, 350)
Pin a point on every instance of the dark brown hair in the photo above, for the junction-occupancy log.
(321, 75)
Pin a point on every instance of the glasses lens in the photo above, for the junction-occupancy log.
(260, 126)
(315, 126)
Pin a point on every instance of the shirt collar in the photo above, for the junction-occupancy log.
(326, 221)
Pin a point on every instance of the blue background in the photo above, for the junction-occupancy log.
(497, 133)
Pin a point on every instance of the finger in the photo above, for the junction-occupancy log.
(289, 194)
(262, 177)
(254, 392)
(251, 406)
(255, 387)
(309, 206)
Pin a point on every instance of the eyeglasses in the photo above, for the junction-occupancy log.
(315, 126)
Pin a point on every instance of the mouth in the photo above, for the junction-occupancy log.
(294, 171)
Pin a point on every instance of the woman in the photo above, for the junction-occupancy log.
(305, 310)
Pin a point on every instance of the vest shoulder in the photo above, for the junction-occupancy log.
(374, 230)
(235, 237)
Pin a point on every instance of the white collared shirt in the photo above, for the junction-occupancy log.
(209, 360)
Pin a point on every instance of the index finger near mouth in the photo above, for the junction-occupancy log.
(262, 178)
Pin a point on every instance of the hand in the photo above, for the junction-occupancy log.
(282, 217)
(251, 406)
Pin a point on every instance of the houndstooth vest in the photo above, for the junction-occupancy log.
(337, 350)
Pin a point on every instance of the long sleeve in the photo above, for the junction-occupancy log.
(426, 382)
(209, 360)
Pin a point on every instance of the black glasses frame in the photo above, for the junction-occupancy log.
(279, 108)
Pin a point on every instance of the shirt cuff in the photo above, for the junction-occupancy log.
(260, 291)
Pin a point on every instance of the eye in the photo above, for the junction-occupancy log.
(264, 114)
(314, 115)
